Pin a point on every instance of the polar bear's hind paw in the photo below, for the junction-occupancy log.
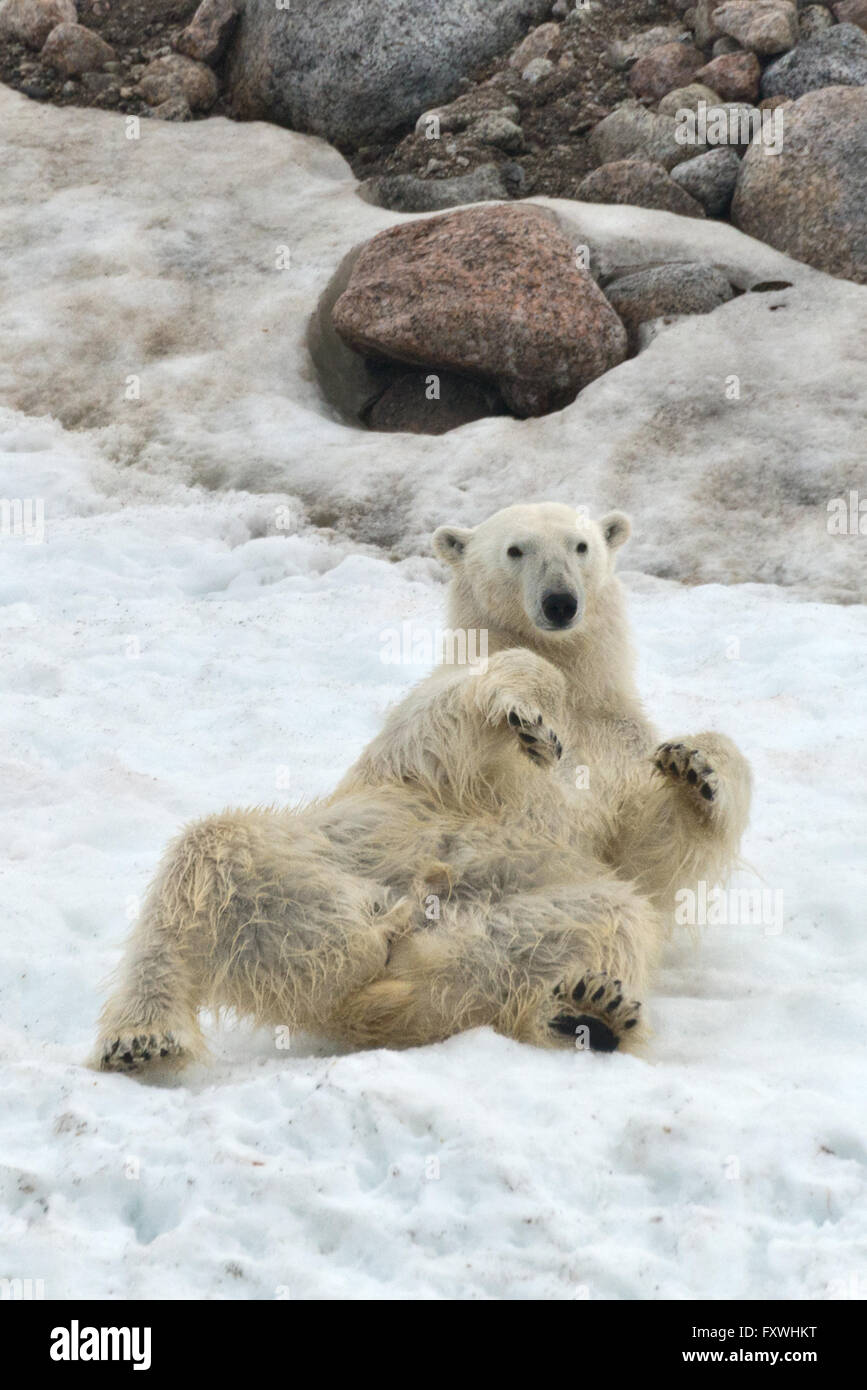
(687, 765)
(131, 1052)
(594, 1013)
(540, 744)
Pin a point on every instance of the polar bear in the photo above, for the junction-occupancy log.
(506, 852)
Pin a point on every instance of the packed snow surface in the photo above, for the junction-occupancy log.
(167, 657)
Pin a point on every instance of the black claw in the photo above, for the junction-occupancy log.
(706, 791)
(126, 1056)
(513, 718)
(578, 991)
(599, 993)
(609, 1008)
(630, 1023)
(692, 776)
(672, 767)
(525, 737)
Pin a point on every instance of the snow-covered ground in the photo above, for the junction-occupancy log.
(188, 650)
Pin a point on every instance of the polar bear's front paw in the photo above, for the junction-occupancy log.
(540, 743)
(132, 1052)
(593, 1013)
(690, 767)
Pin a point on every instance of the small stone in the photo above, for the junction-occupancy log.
(31, 21)
(175, 75)
(705, 26)
(710, 179)
(687, 99)
(851, 12)
(725, 45)
(632, 130)
(72, 49)
(407, 193)
(537, 70)
(765, 26)
(814, 20)
(539, 43)
(499, 131)
(174, 108)
(735, 76)
(624, 52)
(664, 68)
(206, 36)
(639, 184)
(461, 113)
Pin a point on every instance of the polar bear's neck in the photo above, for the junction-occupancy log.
(596, 659)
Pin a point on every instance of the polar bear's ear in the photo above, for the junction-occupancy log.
(616, 528)
(449, 543)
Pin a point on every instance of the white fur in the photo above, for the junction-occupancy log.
(462, 873)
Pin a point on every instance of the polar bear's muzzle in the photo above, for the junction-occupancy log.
(560, 609)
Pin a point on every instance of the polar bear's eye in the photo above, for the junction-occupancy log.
(515, 551)
(581, 547)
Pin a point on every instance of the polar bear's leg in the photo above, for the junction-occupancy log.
(684, 822)
(557, 967)
(248, 912)
(452, 730)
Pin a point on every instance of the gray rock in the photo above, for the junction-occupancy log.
(639, 184)
(837, 58)
(813, 20)
(810, 201)
(630, 129)
(429, 402)
(765, 26)
(725, 45)
(407, 193)
(622, 53)
(537, 70)
(687, 99)
(207, 34)
(664, 290)
(706, 27)
(482, 101)
(497, 130)
(355, 72)
(710, 179)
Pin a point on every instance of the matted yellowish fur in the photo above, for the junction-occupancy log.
(505, 852)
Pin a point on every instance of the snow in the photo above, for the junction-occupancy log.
(185, 637)
(166, 657)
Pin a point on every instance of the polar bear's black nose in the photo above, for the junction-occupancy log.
(559, 608)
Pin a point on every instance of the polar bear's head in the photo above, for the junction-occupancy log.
(532, 569)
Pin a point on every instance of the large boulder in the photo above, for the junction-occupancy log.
(496, 293)
(835, 58)
(353, 72)
(810, 200)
